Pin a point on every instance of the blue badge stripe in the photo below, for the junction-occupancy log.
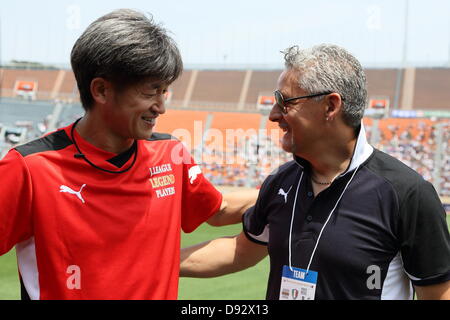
(300, 274)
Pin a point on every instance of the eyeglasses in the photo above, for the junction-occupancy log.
(282, 102)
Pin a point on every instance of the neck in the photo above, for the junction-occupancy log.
(333, 156)
(96, 132)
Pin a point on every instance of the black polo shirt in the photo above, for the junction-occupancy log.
(388, 230)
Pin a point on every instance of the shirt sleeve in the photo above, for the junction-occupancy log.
(200, 199)
(425, 241)
(15, 201)
(254, 220)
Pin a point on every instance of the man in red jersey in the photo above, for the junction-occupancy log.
(95, 209)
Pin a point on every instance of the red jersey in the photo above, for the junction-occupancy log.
(82, 233)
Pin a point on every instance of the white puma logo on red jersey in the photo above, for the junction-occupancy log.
(193, 173)
(69, 190)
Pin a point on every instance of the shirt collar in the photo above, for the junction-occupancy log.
(362, 152)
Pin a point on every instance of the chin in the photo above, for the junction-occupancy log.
(287, 148)
(143, 135)
(287, 143)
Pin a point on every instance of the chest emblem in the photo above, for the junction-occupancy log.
(281, 192)
(162, 180)
(66, 189)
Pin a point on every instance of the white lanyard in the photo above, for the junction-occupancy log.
(323, 227)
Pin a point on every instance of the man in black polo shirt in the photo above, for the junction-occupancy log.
(342, 220)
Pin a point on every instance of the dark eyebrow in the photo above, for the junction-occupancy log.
(157, 86)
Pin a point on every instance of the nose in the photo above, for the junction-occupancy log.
(275, 114)
(159, 106)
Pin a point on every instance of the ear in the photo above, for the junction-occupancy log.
(99, 90)
(334, 106)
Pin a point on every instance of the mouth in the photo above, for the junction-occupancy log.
(149, 120)
(284, 127)
(287, 138)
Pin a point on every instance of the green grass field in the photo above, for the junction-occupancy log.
(248, 284)
(9, 281)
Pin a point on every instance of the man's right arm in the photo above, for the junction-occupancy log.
(15, 201)
(220, 257)
(234, 205)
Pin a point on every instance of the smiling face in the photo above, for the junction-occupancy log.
(131, 112)
(301, 124)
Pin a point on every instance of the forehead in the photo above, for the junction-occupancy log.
(288, 81)
(152, 84)
(138, 86)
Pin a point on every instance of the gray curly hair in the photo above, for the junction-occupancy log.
(327, 67)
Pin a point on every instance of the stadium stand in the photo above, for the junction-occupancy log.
(44, 78)
(179, 88)
(220, 88)
(445, 176)
(382, 83)
(68, 89)
(228, 90)
(262, 82)
(227, 126)
(226, 120)
(181, 124)
(432, 89)
(221, 100)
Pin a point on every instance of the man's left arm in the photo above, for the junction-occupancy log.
(234, 204)
(439, 291)
(425, 242)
